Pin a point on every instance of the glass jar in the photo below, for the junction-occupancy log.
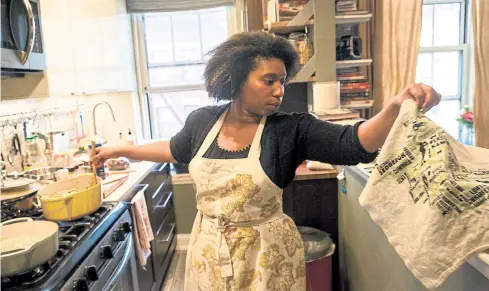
(303, 46)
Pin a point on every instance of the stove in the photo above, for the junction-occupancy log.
(9, 211)
(76, 241)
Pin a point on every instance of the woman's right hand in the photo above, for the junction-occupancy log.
(104, 153)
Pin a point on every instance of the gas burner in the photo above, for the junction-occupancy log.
(26, 279)
(11, 212)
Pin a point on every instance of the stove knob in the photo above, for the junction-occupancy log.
(80, 285)
(126, 227)
(106, 253)
(91, 273)
(118, 235)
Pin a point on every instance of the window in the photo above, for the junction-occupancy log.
(442, 60)
(173, 50)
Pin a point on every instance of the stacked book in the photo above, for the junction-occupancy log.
(346, 6)
(354, 89)
(288, 9)
(336, 114)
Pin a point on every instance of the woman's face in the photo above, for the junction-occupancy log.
(262, 93)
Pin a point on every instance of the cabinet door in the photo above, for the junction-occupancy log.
(118, 53)
(164, 237)
(87, 47)
(103, 50)
(58, 37)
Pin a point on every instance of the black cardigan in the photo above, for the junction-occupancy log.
(287, 141)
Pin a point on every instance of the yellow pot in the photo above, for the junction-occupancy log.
(74, 205)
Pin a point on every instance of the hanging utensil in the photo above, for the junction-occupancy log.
(17, 148)
(9, 156)
(81, 124)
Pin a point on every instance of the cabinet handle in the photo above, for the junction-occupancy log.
(166, 201)
(167, 239)
(157, 192)
(161, 168)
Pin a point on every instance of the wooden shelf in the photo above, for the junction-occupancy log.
(284, 28)
(311, 79)
(357, 106)
(353, 18)
(353, 63)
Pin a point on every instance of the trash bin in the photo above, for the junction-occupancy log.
(319, 249)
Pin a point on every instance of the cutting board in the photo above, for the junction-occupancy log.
(113, 182)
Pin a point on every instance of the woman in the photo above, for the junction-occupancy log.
(244, 153)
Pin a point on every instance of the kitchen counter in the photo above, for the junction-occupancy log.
(125, 190)
(301, 174)
(361, 173)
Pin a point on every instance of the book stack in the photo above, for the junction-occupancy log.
(346, 6)
(336, 114)
(352, 12)
(354, 89)
(288, 9)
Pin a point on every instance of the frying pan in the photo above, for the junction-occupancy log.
(26, 244)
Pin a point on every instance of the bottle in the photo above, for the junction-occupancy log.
(131, 138)
(100, 168)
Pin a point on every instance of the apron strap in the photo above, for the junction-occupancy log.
(211, 136)
(255, 148)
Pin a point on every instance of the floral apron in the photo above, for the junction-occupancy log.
(241, 239)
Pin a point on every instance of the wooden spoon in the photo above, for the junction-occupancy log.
(94, 168)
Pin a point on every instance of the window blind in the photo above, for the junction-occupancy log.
(145, 6)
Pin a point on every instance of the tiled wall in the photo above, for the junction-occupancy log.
(124, 105)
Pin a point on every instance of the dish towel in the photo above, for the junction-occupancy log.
(142, 228)
(429, 194)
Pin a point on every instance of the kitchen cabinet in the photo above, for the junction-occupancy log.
(89, 49)
(159, 200)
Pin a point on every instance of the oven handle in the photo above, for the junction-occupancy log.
(122, 265)
(31, 31)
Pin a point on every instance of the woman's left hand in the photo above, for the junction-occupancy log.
(425, 96)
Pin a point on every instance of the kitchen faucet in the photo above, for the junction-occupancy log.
(93, 115)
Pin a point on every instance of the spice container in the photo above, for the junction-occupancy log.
(100, 168)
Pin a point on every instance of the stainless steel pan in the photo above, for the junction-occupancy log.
(26, 244)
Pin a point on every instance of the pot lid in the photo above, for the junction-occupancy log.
(21, 234)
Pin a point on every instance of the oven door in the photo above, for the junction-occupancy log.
(21, 41)
(124, 277)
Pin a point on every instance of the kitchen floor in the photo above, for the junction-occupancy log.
(176, 274)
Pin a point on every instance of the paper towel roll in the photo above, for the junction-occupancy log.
(326, 95)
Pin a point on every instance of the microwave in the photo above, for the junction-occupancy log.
(21, 38)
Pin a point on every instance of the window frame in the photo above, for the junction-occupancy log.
(462, 47)
(144, 107)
